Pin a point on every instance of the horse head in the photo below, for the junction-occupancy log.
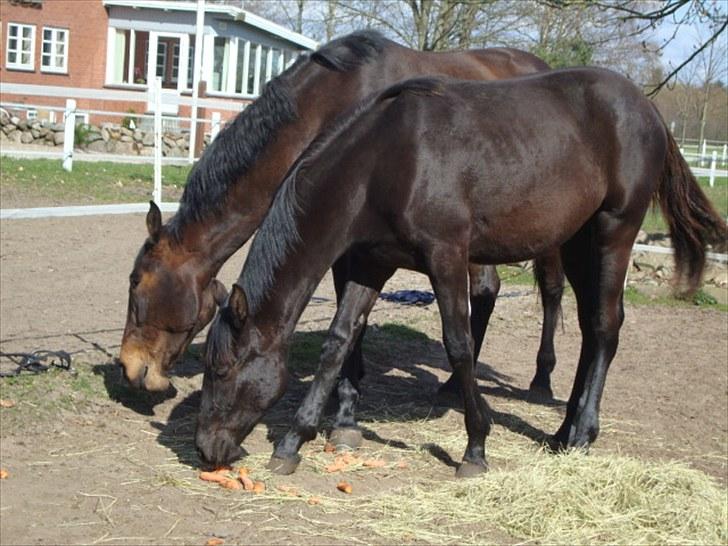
(170, 300)
(245, 374)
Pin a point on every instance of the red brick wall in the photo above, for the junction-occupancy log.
(87, 23)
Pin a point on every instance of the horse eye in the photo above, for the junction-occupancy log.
(221, 372)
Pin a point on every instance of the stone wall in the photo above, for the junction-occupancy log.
(104, 138)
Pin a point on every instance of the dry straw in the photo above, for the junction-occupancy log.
(564, 499)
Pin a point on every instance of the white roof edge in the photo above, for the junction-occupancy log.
(236, 13)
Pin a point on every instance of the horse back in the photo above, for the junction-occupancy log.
(550, 148)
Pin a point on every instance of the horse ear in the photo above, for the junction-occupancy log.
(219, 292)
(238, 305)
(154, 221)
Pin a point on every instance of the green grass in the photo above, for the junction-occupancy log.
(97, 182)
(42, 395)
(700, 299)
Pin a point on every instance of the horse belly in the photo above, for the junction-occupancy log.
(526, 227)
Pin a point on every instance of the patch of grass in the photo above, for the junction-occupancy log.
(702, 299)
(513, 274)
(40, 395)
(98, 182)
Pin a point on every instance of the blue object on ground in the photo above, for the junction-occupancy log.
(409, 297)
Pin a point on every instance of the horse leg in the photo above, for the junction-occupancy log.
(346, 433)
(596, 267)
(449, 277)
(550, 277)
(484, 288)
(350, 318)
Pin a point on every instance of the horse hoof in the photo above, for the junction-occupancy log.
(540, 392)
(346, 438)
(470, 470)
(284, 467)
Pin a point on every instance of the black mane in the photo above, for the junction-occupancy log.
(237, 146)
(232, 153)
(350, 51)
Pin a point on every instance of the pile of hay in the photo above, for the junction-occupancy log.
(564, 499)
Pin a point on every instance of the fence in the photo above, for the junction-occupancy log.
(165, 141)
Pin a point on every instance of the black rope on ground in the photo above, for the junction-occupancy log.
(36, 362)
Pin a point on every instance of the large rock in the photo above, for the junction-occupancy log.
(105, 133)
(138, 135)
(146, 151)
(126, 138)
(44, 131)
(58, 138)
(148, 139)
(9, 128)
(26, 137)
(174, 151)
(35, 133)
(23, 124)
(15, 135)
(4, 118)
(58, 127)
(125, 148)
(126, 132)
(14, 120)
(93, 136)
(97, 146)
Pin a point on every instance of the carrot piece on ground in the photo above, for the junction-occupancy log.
(248, 484)
(344, 487)
(258, 487)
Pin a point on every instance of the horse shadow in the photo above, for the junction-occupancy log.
(404, 368)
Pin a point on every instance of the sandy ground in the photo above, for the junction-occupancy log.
(109, 468)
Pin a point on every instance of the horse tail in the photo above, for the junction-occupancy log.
(692, 220)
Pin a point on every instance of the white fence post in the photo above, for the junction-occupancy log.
(713, 162)
(157, 194)
(703, 154)
(69, 134)
(215, 129)
(725, 153)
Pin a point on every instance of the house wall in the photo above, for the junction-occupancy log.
(86, 22)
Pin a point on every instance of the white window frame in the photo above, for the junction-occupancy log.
(55, 31)
(19, 50)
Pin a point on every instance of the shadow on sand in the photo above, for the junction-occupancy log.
(403, 368)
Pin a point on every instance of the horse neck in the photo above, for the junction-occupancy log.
(295, 279)
(219, 236)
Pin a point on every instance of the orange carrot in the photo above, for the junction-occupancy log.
(258, 487)
(214, 541)
(329, 447)
(213, 477)
(374, 463)
(3, 474)
(248, 484)
(344, 487)
(313, 500)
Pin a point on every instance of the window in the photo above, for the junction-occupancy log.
(162, 60)
(127, 57)
(54, 56)
(21, 46)
(221, 62)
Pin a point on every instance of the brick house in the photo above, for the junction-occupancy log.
(103, 53)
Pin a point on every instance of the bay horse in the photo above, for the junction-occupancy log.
(431, 175)
(172, 287)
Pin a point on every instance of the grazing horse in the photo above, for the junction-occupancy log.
(173, 290)
(432, 175)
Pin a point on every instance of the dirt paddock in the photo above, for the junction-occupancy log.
(90, 462)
